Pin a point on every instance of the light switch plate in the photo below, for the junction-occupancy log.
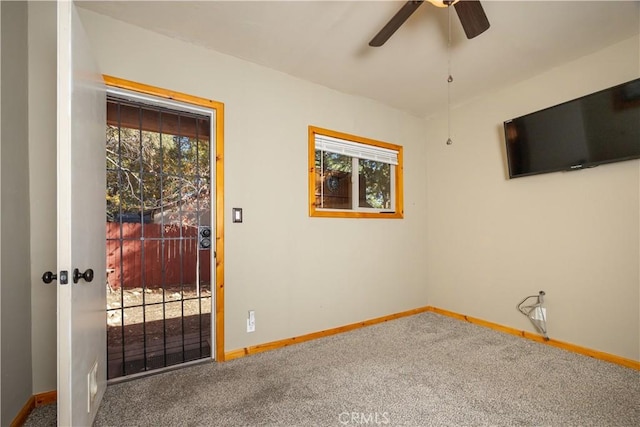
(236, 214)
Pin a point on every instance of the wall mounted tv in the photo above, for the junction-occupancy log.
(602, 127)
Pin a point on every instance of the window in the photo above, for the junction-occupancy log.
(353, 177)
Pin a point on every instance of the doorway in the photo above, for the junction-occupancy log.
(160, 233)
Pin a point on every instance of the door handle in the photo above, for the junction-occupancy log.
(49, 277)
(87, 276)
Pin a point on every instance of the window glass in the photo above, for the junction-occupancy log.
(333, 180)
(374, 184)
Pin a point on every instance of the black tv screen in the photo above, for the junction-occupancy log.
(602, 127)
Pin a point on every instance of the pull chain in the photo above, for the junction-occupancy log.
(450, 78)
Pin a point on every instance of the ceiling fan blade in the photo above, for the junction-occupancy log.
(398, 19)
(472, 17)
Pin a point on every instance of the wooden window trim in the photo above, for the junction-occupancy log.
(399, 172)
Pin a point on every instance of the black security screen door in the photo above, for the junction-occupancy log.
(158, 238)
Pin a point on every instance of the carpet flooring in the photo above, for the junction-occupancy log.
(422, 370)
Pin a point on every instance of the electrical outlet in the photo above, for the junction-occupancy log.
(251, 321)
(92, 385)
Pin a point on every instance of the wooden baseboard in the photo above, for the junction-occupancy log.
(22, 416)
(234, 354)
(46, 398)
(629, 363)
(33, 402)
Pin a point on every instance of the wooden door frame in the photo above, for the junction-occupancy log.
(218, 108)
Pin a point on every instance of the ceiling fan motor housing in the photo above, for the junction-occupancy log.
(470, 12)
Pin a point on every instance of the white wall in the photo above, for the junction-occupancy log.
(15, 312)
(42, 191)
(492, 241)
(300, 274)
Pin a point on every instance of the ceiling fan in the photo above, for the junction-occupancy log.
(471, 14)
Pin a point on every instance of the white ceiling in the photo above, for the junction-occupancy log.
(327, 41)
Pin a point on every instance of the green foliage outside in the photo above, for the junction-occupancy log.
(149, 173)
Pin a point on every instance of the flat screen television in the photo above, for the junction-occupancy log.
(602, 127)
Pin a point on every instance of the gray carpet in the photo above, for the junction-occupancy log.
(423, 370)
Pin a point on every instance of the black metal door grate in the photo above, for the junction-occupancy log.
(158, 199)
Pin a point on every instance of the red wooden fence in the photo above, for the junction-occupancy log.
(178, 258)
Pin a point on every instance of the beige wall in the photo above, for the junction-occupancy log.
(456, 248)
(42, 190)
(492, 241)
(15, 312)
(299, 274)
